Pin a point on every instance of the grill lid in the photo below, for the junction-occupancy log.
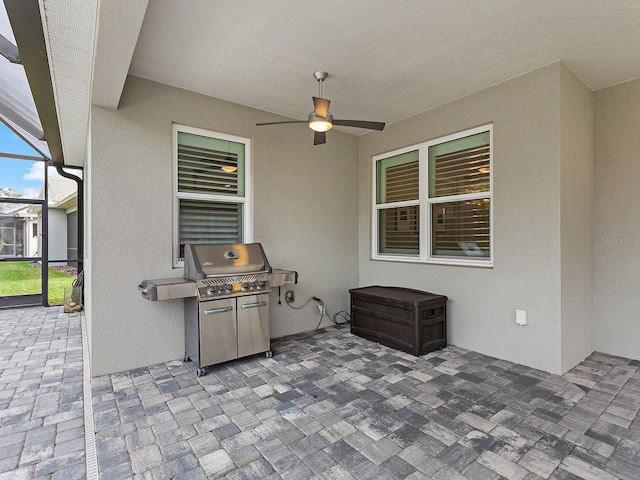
(203, 261)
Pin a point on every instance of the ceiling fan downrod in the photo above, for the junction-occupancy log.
(320, 76)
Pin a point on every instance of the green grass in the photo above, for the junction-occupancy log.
(20, 278)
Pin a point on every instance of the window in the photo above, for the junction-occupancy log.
(212, 189)
(432, 202)
(398, 201)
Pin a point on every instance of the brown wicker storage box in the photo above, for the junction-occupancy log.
(409, 320)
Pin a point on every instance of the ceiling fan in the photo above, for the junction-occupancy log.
(320, 120)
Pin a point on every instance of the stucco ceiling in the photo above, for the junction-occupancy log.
(387, 60)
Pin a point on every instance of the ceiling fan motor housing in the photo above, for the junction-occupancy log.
(320, 76)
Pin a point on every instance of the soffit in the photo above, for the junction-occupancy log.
(69, 27)
(81, 72)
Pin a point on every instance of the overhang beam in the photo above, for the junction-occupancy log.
(26, 24)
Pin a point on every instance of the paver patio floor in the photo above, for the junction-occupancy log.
(330, 406)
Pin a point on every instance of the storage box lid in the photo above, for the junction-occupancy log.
(399, 295)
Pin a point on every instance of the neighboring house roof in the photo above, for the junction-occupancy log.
(62, 194)
(24, 211)
(59, 189)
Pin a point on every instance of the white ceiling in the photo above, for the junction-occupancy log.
(387, 60)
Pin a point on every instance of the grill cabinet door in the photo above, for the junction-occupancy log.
(218, 331)
(253, 324)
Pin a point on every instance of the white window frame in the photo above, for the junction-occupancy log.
(425, 203)
(246, 201)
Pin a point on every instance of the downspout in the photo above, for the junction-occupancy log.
(79, 182)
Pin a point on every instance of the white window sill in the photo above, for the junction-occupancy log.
(435, 261)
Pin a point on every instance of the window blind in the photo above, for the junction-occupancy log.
(400, 230)
(209, 222)
(399, 181)
(202, 170)
(461, 228)
(402, 182)
(398, 178)
(462, 172)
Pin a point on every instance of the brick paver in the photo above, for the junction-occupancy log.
(41, 394)
(338, 406)
(330, 406)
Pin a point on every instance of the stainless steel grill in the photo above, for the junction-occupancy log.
(227, 270)
(226, 301)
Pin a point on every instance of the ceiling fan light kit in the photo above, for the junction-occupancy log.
(320, 120)
(319, 124)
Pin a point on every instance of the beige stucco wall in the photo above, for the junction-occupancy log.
(305, 211)
(576, 218)
(572, 265)
(88, 238)
(525, 112)
(617, 220)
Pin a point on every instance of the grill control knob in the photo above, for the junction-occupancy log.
(253, 286)
(220, 289)
(228, 287)
(245, 287)
(211, 290)
(261, 284)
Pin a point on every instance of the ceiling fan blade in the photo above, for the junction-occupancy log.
(280, 123)
(360, 124)
(321, 106)
(319, 138)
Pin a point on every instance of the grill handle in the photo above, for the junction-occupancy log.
(253, 305)
(217, 310)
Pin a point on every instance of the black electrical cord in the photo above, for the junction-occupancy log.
(341, 313)
(302, 306)
(345, 315)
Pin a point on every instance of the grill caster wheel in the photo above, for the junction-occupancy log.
(201, 372)
(186, 358)
(268, 354)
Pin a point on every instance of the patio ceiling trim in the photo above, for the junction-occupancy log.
(26, 23)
